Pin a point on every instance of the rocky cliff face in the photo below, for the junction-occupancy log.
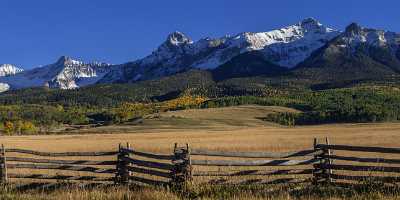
(66, 73)
(357, 53)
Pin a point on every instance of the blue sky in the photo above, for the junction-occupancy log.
(37, 32)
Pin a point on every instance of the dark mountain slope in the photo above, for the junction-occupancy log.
(358, 53)
(248, 64)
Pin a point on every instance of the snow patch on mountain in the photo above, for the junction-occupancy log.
(356, 35)
(176, 45)
(8, 69)
(286, 46)
(4, 87)
(66, 73)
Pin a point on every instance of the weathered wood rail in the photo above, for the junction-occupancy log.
(324, 163)
(64, 154)
(348, 168)
(27, 159)
(254, 162)
(254, 172)
(202, 152)
(231, 165)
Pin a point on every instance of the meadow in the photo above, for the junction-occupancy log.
(230, 129)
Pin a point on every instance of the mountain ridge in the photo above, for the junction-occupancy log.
(358, 52)
(288, 46)
(65, 73)
(307, 49)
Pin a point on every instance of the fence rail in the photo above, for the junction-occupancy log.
(253, 162)
(255, 172)
(148, 181)
(147, 155)
(363, 160)
(203, 152)
(325, 163)
(360, 148)
(360, 168)
(149, 172)
(61, 177)
(261, 181)
(149, 164)
(61, 167)
(64, 154)
(71, 162)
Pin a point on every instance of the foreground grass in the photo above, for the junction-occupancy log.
(69, 192)
(73, 192)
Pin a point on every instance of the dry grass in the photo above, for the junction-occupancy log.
(243, 139)
(231, 129)
(205, 192)
(223, 119)
(255, 135)
(88, 193)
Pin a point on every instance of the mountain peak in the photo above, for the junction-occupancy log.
(310, 23)
(65, 60)
(356, 34)
(310, 20)
(354, 29)
(178, 38)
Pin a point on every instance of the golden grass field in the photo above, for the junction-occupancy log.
(211, 129)
(230, 129)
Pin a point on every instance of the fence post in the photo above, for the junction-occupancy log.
(328, 162)
(322, 170)
(182, 172)
(122, 176)
(318, 172)
(127, 164)
(175, 176)
(3, 165)
(188, 167)
(316, 168)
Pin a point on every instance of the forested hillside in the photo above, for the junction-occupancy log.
(29, 111)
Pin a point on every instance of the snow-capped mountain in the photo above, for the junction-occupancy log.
(285, 47)
(356, 35)
(357, 53)
(8, 70)
(66, 73)
(307, 48)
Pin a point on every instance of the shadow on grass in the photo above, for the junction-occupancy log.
(51, 187)
(211, 191)
(294, 191)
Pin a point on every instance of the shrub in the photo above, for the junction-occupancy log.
(183, 102)
(8, 127)
(28, 128)
(286, 118)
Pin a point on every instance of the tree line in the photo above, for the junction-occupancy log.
(356, 104)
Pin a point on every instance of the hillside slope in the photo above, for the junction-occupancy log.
(358, 53)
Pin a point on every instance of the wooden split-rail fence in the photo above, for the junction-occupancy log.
(321, 164)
